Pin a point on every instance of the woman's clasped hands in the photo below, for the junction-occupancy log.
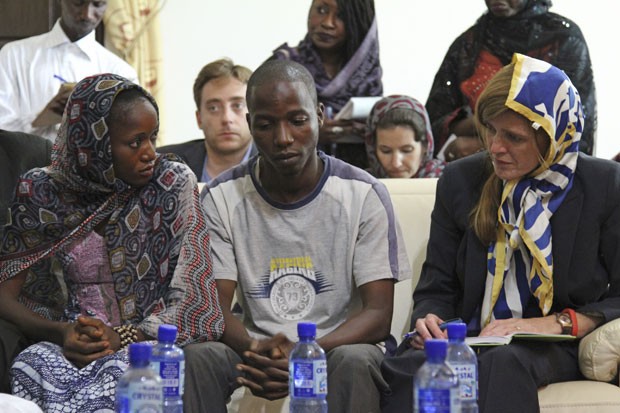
(87, 340)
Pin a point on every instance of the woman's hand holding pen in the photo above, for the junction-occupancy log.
(332, 130)
(426, 328)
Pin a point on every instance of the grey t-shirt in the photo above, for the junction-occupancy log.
(302, 261)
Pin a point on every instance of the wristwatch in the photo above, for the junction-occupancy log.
(565, 320)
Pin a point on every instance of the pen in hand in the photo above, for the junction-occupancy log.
(442, 327)
(329, 112)
(60, 78)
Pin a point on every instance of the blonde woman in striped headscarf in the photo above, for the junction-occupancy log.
(525, 237)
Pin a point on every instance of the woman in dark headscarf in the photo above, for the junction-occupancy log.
(399, 140)
(341, 51)
(509, 26)
(122, 230)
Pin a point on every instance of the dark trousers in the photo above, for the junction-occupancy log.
(508, 376)
(12, 342)
(354, 378)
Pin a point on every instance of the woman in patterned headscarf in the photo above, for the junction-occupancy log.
(509, 26)
(524, 238)
(399, 140)
(341, 51)
(102, 247)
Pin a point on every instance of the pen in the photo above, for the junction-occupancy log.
(329, 112)
(60, 78)
(442, 326)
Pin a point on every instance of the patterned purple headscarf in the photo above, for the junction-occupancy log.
(429, 167)
(155, 235)
(361, 75)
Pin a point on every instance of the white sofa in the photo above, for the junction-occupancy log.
(413, 201)
(14, 404)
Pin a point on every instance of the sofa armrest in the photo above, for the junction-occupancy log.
(599, 352)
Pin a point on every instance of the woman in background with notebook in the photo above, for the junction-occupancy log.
(399, 140)
(524, 237)
(341, 51)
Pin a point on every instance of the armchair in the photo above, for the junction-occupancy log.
(599, 358)
(18, 153)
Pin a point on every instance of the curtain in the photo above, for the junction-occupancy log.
(131, 30)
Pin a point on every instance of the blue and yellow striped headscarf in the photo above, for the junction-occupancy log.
(520, 262)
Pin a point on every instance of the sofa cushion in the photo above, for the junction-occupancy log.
(599, 352)
(413, 201)
(579, 397)
(15, 404)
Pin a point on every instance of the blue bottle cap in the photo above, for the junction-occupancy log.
(167, 333)
(139, 354)
(436, 349)
(306, 330)
(456, 331)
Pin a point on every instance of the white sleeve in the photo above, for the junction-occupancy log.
(12, 115)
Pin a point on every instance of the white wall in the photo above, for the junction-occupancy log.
(414, 36)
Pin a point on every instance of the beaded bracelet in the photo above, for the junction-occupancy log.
(127, 333)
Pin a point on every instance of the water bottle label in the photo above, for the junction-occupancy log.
(309, 378)
(467, 380)
(438, 401)
(142, 398)
(172, 375)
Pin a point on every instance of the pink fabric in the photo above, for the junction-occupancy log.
(90, 278)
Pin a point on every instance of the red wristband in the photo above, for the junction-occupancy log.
(573, 318)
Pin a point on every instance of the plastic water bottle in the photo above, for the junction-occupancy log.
(307, 373)
(139, 389)
(168, 361)
(465, 363)
(436, 386)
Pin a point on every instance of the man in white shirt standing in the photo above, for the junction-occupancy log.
(37, 74)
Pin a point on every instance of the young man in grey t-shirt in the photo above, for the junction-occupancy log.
(300, 236)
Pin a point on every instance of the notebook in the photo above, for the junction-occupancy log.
(521, 335)
(357, 108)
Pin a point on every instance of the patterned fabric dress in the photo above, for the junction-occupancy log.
(429, 167)
(155, 246)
